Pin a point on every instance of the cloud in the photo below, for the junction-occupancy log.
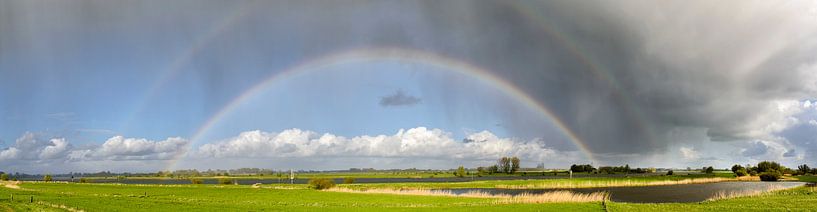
(399, 98)
(755, 149)
(790, 153)
(121, 148)
(56, 149)
(56, 153)
(689, 153)
(416, 144)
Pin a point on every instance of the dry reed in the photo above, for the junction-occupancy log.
(734, 194)
(612, 183)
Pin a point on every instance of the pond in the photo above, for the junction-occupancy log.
(655, 194)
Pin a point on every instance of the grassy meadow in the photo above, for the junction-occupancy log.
(118, 197)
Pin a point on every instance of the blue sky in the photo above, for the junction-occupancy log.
(87, 85)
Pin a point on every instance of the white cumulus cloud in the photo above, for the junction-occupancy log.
(415, 142)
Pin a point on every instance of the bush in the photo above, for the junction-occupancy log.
(225, 181)
(348, 180)
(769, 176)
(321, 183)
(4, 177)
(47, 178)
(84, 180)
(196, 181)
(753, 173)
(669, 172)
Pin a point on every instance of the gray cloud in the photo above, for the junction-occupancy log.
(755, 149)
(399, 98)
(790, 153)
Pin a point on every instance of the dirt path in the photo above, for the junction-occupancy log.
(11, 184)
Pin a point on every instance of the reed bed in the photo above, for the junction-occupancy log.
(613, 183)
(734, 194)
(554, 196)
(557, 196)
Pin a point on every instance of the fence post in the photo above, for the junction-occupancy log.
(31, 200)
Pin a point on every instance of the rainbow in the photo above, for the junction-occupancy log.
(183, 59)
(597, 71)
(396, 54)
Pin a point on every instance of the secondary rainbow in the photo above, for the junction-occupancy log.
(529, 12)
(396, 54)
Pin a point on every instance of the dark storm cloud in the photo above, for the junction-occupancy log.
(399, 98)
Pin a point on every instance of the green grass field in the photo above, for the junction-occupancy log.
(116, 197)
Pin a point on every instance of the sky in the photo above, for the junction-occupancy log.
(143, 86)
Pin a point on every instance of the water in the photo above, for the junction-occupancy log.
(654, 194)
(250, 181)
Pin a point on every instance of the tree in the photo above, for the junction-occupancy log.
(736, 167)
(741, 172)
(803, 169)
(582, 168)
(627, 168)
(460, 172)
(47, 178)
(767, 166)
(504, 164)
(669, 172)
(709, 170)
(493, 169)
(514, 165)
(4, 177)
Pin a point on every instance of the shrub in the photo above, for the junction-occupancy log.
(321, 183)
(4, 177)
(196, 181)
(669, 172)
(460, 172)
(47, 178)
(769, 176)
(348, 180)
(225, 181)
(84, 180)
(753, 173)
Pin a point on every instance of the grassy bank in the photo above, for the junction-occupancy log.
(110, 197)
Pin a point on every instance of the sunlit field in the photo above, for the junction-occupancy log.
(55, 196)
